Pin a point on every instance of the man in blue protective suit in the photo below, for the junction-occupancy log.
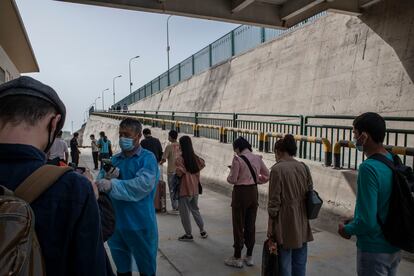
(132, 193)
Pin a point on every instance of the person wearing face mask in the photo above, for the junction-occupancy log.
(132, 193)
(375, 255)
(105, 147)
(289, 226)
(66, 214)
(247, 170)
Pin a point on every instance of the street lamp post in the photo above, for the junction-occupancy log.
(95, 102)
(103, 103)
(130, 81)
(168, 50)
(113, 85)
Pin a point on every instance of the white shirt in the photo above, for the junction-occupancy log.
(58, 149)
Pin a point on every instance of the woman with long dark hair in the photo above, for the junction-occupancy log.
(188, 167)
(289, 227)
(247, 170)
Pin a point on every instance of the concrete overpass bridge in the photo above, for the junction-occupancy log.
(268, 13)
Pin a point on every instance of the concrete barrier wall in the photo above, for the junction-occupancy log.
(336, 187)
(340, 64)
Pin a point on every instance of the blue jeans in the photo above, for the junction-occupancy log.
(377, 264)
(292, 262)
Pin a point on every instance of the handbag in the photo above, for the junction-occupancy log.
(270, 261)
(313, 200)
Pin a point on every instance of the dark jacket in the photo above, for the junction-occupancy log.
(74, 146)
(153, 145)
(67, 216)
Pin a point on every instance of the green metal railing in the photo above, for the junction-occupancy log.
(239, 40)
(317, 136)
(400, 132)
(264, 123)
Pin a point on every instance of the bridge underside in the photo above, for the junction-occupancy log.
(267, 13)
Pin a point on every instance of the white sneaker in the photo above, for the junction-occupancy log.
(234, 262)
(248, 260)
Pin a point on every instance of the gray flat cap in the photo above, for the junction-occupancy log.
(27, 86)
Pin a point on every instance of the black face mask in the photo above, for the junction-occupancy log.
(51, 137)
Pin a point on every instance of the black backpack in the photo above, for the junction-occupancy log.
(398, 227)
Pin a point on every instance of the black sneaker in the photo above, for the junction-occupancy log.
(188, 238)
(204, 235)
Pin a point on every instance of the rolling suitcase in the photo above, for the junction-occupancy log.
(160, 200)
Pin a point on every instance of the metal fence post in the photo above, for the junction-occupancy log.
(261, 141)
(235, 116)
(154, 123)
(177, 126)
(210, 56)
(179, 72)
(267, 143)
(262, 34)
(232, 43)
(196, 132)
(225, 135)
(304, 133)
(192, 66)
(301, 133)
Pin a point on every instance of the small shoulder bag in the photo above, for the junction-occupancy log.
(313, 200)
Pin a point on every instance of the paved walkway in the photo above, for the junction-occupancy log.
(328, 254)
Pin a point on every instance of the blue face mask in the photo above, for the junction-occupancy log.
(126, 144)
(356, 144)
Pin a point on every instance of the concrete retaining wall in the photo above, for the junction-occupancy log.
(336, 187)
(338, 65)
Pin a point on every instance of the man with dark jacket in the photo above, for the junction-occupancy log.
(152, 144)
(67, 220)
(74, 150)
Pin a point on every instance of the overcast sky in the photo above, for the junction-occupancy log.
(80, 48)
